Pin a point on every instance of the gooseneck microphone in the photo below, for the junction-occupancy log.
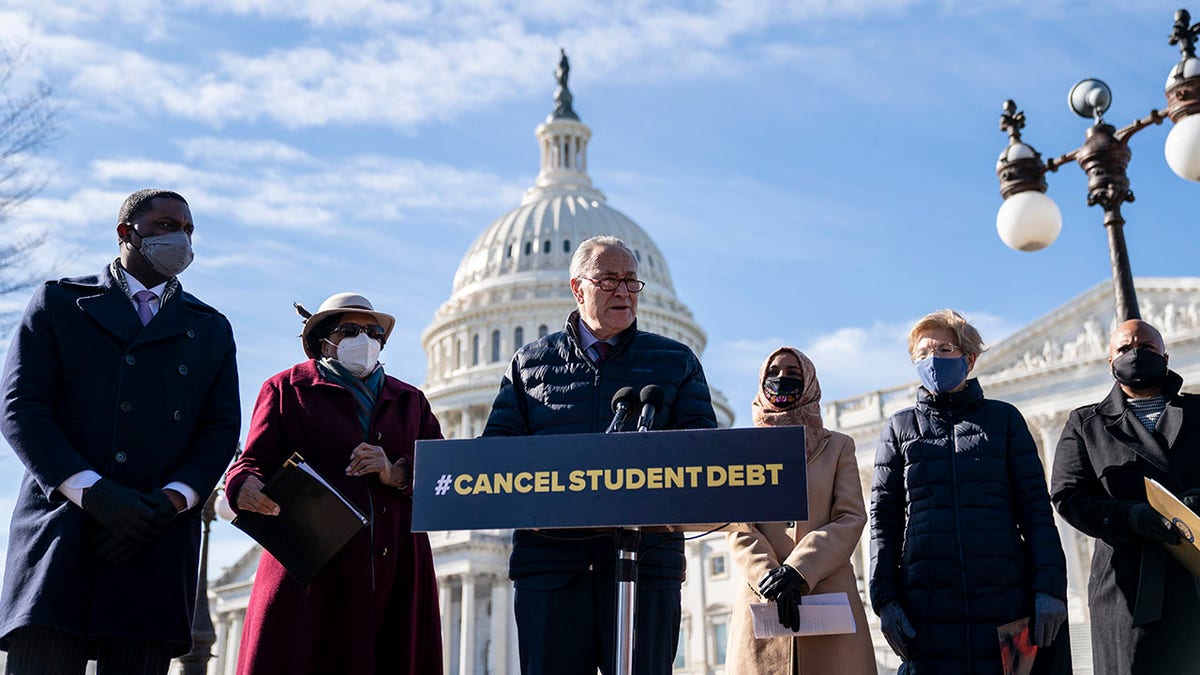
(652, 398)
(623, 402)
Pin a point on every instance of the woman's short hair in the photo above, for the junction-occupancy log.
(967, 336)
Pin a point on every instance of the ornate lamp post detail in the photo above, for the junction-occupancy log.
(1029, 220)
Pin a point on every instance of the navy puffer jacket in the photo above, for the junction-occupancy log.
(962, 534)
(552, 387)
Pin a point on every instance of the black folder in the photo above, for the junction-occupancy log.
(315, 520)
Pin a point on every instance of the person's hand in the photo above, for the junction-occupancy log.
(164, 506)
(128, 519)
(1145, 522)
(781, 580)
(1191, 499)
(251, 498)
(367, 459)
(896, 628)
(1049, 613)
(788, 605)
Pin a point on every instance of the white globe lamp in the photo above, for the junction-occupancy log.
(1028, 221)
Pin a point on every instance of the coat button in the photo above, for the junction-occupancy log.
(129, 360)
(178, 416)
(385, 552)
(383, 510)
(126, 406)
(191, 333)
(120, 457)
(182, 369)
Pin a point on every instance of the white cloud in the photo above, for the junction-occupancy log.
(221, 151)
(403, 64)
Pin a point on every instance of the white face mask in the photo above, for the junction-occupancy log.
(359, 354)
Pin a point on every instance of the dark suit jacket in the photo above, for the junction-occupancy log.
(1144, 605)
(86, 386)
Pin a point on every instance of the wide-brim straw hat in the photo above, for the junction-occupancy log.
(342, 303)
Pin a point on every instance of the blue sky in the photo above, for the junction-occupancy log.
(818, 173)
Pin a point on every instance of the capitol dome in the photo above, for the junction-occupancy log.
(512, 284)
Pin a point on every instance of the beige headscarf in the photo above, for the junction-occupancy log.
(806, 412)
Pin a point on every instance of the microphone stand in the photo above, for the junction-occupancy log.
(627, 540)
(626, 570)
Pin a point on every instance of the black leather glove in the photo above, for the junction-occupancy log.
(780, 581)
(127, 519)
(1191, 499)
(896, 628)
(788, 605)
(164, 509)
(1146, 523)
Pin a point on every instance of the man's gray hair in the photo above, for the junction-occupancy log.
(587, 252)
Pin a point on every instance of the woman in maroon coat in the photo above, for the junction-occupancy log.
(374, 608)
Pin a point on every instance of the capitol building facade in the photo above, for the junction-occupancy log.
(511, 287)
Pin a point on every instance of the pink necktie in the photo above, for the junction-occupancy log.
(143, 298)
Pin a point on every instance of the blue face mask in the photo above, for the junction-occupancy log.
(939, 375)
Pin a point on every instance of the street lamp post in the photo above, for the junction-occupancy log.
(195, 662)
(1029, 220)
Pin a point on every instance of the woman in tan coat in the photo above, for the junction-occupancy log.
(787, 560)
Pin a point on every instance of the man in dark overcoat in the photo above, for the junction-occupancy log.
(120, 397)
(1145, 605)
(563, 384)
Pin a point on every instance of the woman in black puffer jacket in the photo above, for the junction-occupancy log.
(962, 536)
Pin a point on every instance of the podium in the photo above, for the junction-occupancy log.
(698, 479)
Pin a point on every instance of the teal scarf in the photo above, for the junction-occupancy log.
(365, 391)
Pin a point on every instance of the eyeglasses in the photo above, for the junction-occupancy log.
(942, 349)
(350, 330)
(608, 284)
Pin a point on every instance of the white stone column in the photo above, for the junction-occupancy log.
(1077, 569)
(501, 608)
(464, 428)
(445, 601)
(698, 627)
(234, 642)
(466, 633)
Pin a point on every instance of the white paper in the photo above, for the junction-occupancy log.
(820, 614)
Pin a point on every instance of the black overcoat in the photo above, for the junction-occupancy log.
(86, 386)
(962, 534)
(1144, 605)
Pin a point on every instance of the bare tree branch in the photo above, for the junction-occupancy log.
(28, 122)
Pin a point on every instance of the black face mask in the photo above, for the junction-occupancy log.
(783, 391)
(1140, 369)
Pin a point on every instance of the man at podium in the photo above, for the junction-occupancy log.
(562, 384)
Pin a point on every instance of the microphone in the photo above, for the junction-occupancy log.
(625, 400)
(652, 398)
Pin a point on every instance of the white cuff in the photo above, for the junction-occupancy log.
(188, 493)
(73, 487)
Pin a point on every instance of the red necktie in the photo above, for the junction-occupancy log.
(601, 351)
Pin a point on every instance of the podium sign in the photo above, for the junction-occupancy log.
(611, 480)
